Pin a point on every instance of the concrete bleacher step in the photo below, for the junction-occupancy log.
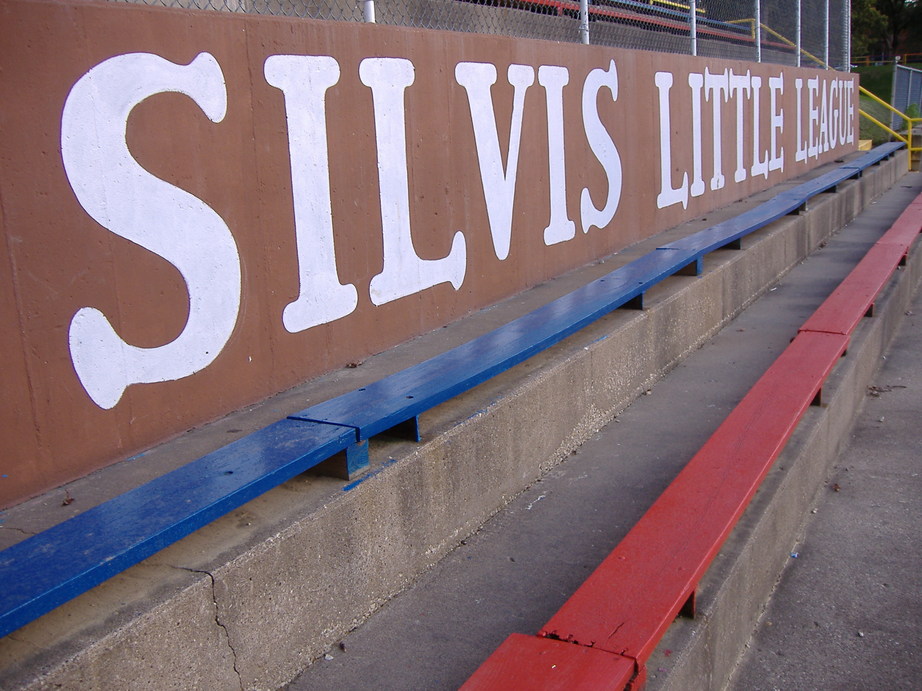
(628, 603)
(381, 549)
(543, 534)
(83, 551)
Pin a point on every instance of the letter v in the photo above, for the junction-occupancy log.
(498, 179)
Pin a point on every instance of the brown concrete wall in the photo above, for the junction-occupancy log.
(163, 198)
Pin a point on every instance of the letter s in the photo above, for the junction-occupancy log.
(603, 147)
(130, 202)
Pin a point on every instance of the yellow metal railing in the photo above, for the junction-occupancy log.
(910, 122)
(676, 5)
(767, 29)
(867, 60)
(750, 21)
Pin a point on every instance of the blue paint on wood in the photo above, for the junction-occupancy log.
(401, 396)
(722, 234)
(50, 568)
(62, 562)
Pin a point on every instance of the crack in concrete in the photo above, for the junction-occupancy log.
(217, 619)
(22, 641)
(27, 533)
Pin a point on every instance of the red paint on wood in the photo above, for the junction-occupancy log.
(529, 662)
(849, 302)
(627, 604)
(907, 227)
(629, 601)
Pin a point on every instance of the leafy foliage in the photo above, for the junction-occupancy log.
(868, 26)
(889, 27)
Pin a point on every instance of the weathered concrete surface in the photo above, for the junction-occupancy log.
(295, 570)
(111, 639)
(703, 653)
(847, 610)
(514, 573)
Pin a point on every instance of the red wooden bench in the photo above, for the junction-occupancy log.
(854, 298)
(622, 610)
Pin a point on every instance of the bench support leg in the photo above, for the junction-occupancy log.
(408, 429)
(818, 399)
(694, 268)
(634, 303)
(346, 465)
(688, 609)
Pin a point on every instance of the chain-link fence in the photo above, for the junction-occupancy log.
(792, 32)
(907, 92)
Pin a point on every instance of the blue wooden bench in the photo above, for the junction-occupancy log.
(854, 297)
(50, 568)
(401, 397)
(830, 181)
(872, 157)
(728, 233)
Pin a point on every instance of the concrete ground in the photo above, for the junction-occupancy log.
(857, 619)
(847, 612)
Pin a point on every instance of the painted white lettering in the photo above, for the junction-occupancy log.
(603, 148)
(843, 110)
(759, 155)
(739, 85)
(131, 203)
(801, 153)
(668, 194)
(304, 81)
(696, 82)
(498, 180)
(717, 89)
(834, 102)
(775, 151)
(404, 272)
(824, 120)
(560, 228)
(813, 114)
(850, 87)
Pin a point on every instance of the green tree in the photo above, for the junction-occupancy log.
(900, 16)
(868, 27)
(914, 31)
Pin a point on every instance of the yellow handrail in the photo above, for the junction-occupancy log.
(910, 123)
(678, 5)
(884, 127)
(821, 63)
(906, 58)
(752, 23)
(886, 105)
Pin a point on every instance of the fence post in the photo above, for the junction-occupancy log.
(826, 36)
(846, 36)
(368, 11)
(693, 21)
(584, 22)
(797, 30)
(758, 28)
